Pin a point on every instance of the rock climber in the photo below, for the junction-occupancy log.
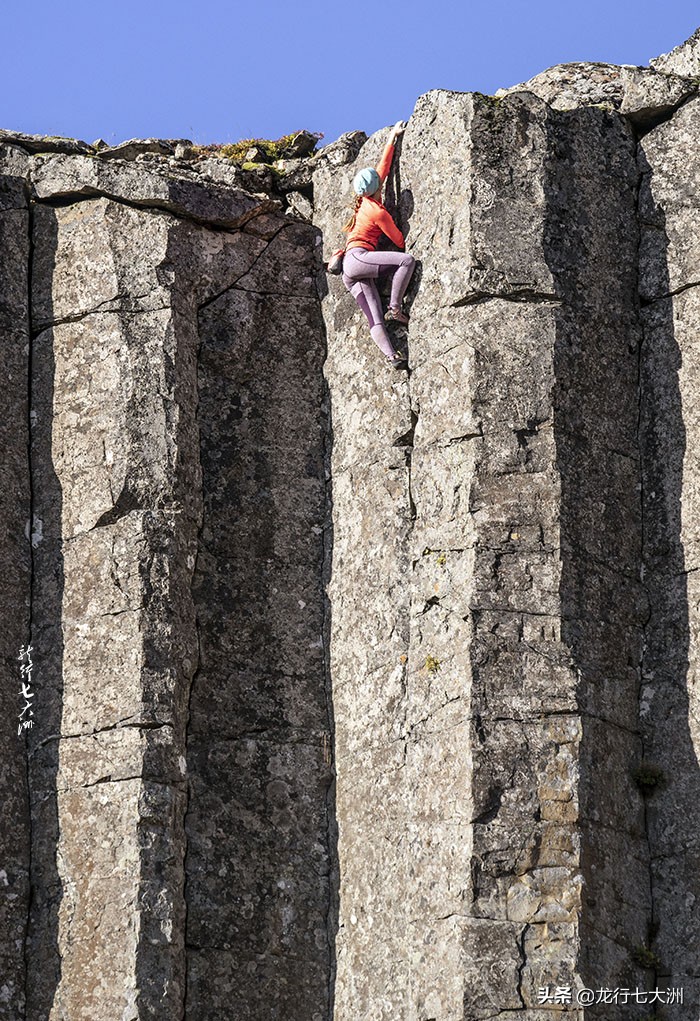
(363, 264)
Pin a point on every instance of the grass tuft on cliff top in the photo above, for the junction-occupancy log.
(269, 150)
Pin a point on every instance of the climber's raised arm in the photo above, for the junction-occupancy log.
(384, 165)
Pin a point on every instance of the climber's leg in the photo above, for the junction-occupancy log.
(402, 278)
(374, 264)
(367, 297)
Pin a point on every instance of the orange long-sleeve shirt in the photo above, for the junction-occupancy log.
(372, 219)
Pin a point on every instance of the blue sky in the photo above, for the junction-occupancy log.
(220, 71)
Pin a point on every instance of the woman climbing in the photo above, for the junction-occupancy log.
(363, 264)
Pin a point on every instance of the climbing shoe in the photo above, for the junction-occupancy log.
(399, 362)
(395, 315)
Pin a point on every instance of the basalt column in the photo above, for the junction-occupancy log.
(116, 501)
(669, 210)
(15, 527)
(484, 690)
(370, 602)
(259, 743)
(133, 473)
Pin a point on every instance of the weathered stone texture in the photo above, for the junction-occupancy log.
(670, 434)
(42, 143)
(602, 605)
(669, 257)
(116, 495)
(464, 630)
(15, 529)
(120, 517)
(643, 94)
(57, 176)
(684, 59)
(259, 744)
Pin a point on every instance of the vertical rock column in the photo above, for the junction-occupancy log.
(259, 742)
(537, 292)
(463, 699)
(372, 519)
(116, 485)
(497, 856)
(15, 528)
(138, 552)
(670, 440)
(592, 241)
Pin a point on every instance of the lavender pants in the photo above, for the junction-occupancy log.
(360, 269)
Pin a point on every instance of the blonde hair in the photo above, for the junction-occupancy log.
(347, 227)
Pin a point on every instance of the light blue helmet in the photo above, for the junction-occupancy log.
(366, 182)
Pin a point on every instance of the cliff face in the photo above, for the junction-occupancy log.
(356, 694)
(514, 565)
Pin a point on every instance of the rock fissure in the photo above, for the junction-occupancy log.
(431, 715)
(156, 208)
(671, 294)
(123, 779)
(280, 736)
(665, 116)
(522, 965)
(192, 688)
(516, 295)
(99, 310)
(120, 725)
(232, 286)
(329, 746)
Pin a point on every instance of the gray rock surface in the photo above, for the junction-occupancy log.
(298, 205)
(115, 483)
(297, 173)
(130, 307)
(60, 177)
(479, 816)
(302, 144)
(43, 143)
(683, 59)
(642, 94)
(343, 149)
(669, 206)
(15, 600)
(258, 858)
(670, 215)
(134, 147)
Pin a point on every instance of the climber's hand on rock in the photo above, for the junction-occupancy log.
(397, 130)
